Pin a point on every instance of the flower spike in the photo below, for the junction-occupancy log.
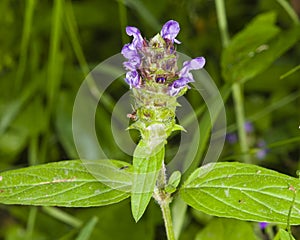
(155, 83)
(152, 65)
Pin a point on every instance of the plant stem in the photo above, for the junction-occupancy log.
(240, 118)
(63, 216)
(221, 15)
(30, 223)
(289, 10)
(164, 199)
(29, 13)
(236, 87)
(166, 212)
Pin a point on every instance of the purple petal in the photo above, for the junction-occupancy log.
(262, 153)
(128, 51)
(185, 76)
(170, 30)
(133, 78)
(263, 225)
(173, 91)
(137, 37)
(248, 127)
(181, 82)
(177, 85)
(261, 143)
(193, 64)
(231, 138)
(132, 55)
(133, 64)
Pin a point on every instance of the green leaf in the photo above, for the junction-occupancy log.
(147, 163)
(62, 216)
(173, 182)
(67, 183)
(243, 191)
(283, 235)
(223, 229)
(256, 47)
(86, 231)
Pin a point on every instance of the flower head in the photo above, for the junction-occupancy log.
(155, 61)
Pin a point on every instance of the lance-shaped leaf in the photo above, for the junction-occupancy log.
(87, 230)
(243, 191)
(283, 235)
(256, 47)
(67, 183)
(147, 162)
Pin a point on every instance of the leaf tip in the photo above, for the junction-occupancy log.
(138, 208)
(137, 214)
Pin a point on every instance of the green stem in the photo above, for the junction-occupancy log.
(240, 118)
(29, 12)
(166, 212)
(221, 15)
(73, 32)
(63, 216)
(290, 72)
(31, 223)
(236, 87)
(164, 199)
(54, 73)
(270, 232)
(290, 212)
(289, 10)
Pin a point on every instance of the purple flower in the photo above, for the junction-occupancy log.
(193, 64)
(263, 225)
(156, 60)
(134, 60)
(133, 64)
(248, 127)
(138, 40)
(170, 30)
(262, 152)
(231, 138)
(129, 51)
(184, 74)
(133, 78)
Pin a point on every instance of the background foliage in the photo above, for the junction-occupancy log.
(48, 47)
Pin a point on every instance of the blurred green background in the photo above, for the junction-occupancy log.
(48, 47)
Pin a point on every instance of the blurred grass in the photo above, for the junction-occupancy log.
(46, 50)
